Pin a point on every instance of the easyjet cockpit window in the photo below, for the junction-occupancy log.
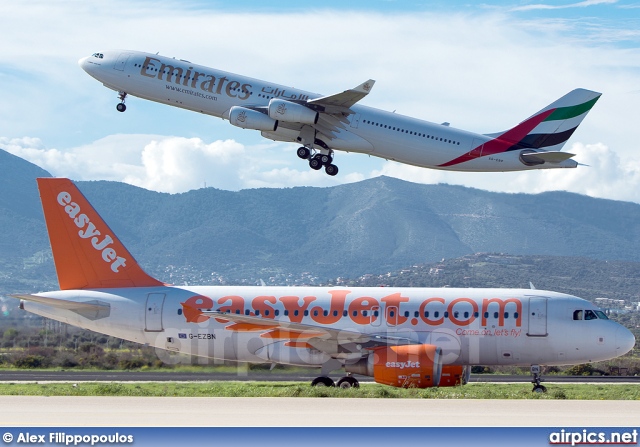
(589, 315)
(98, 55)
(601, 315)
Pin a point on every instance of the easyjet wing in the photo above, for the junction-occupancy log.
(329, 340)
(93, 310)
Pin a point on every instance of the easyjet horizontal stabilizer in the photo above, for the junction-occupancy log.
(93, 310)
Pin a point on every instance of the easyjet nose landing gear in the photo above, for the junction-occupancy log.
(317, 160)
(537, 378)
(121, 107)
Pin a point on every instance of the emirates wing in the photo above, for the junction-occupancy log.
(338, 343)
(341, 102)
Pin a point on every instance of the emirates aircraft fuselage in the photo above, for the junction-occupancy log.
(322, 124)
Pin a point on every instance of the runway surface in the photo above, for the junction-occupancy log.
(37, 411)
(142, 376)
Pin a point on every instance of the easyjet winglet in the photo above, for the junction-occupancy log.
(86, 253)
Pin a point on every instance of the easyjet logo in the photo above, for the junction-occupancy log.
(402, 365)
(101, 243)
(393, 309)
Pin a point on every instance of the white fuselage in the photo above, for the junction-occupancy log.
(472, 326)
(367, 130)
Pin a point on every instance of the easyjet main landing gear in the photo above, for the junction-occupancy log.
(537, 378)
(317, 160)
(345, 382)
(121, 107)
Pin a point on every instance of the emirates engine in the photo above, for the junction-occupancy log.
(251, 119)
(288, 111)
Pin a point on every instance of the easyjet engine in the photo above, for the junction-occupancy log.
(288, 111)
(454, 375)
(406, 366)
(251, 119)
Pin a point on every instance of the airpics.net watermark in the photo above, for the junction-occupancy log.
(66, 439)
(590, 437)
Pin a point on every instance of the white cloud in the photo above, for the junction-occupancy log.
(582, 4)
(483, 72)
(174, 164)
(606, 176)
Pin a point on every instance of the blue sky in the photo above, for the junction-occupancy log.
(481, 66)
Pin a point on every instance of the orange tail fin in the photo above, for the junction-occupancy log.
(87, 254)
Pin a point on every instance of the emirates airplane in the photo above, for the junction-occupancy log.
(324, 124)
(403, 337)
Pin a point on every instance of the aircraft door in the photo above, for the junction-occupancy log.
(355, 120)
(476, 148)
(391, 316)
(153, 312)
(376, 316)
(537, 317)
(121, 62)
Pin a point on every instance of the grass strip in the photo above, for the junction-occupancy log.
(300, 389)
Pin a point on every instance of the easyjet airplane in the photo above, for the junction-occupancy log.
(324, 124)
(403, 337)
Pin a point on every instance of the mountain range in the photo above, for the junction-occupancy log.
(373, 226)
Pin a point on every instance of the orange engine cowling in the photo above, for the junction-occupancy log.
(453, 375)
(417, 366)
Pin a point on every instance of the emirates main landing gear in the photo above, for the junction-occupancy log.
(121, 107)
(317, 160)
(537, 378)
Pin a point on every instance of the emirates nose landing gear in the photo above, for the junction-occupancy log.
(318, 160)
(121, 107)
